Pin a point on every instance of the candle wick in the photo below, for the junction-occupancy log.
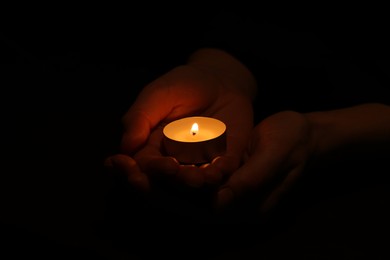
(193, 133)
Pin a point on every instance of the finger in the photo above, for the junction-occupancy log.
(220, 168)
(191, 176)
(280, 192)
(136, 131)
(146, 112)
(212, 174)
(155, 102)
(150, 159)
(158, 166)
(129, 168)
(226, 164)
(239, 125)
(258, 172)
(153, 145)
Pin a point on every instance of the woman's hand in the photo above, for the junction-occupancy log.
(278, 152)
(211, 84)
(283, 144)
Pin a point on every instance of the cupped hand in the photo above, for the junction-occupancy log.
(279, 150)
(212, 84)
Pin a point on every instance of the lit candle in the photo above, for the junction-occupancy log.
(195, 140)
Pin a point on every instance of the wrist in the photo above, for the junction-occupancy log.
(231, 72)
(350, 131)
(319, 133)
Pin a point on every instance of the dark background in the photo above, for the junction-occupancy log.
(70, 72)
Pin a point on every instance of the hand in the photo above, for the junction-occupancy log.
(212, 84)
(278, 152)
(283, 144)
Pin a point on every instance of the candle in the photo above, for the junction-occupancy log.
(195, 140)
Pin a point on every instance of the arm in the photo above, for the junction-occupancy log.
(284, 143)
(355, 130)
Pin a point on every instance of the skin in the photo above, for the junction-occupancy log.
(267, 159)
(283, 144)
(212, 84)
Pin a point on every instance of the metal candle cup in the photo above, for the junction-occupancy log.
(195, 140)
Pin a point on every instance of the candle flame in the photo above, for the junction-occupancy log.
(194, 129)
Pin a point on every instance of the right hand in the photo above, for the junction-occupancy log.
(278, 152)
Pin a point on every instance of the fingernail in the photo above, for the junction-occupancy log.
(203, 166)
(224, 198)
(215, 159)
(174, 159)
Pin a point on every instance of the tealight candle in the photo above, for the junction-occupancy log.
(195, 140)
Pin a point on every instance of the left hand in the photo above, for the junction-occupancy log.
(211, 84)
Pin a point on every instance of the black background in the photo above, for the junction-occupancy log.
(70, 72)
